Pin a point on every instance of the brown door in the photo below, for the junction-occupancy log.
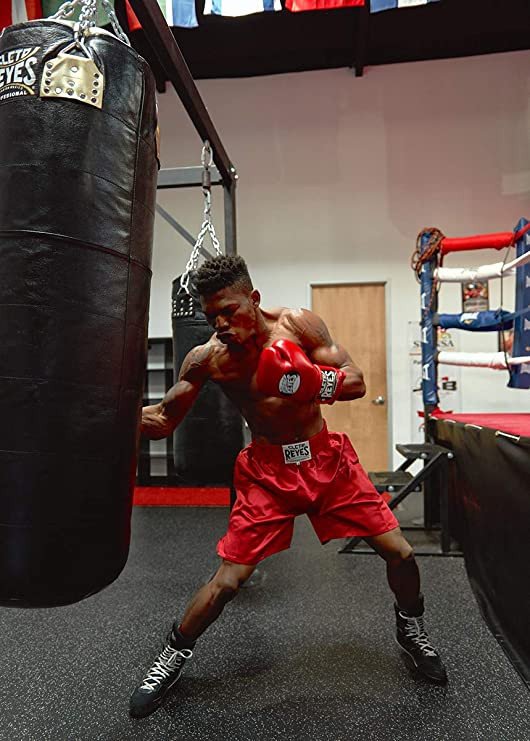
(355, 316)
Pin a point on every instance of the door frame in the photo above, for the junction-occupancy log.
(388, 345)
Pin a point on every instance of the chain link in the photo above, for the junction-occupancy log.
(207, 224)
(113, 18)
(66, 10)
(206, 155)
(88, 17)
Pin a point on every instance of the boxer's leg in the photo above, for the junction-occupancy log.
(404, 580)
(350, 506)
(401, 567)
(260, 525)
(210, 600)
(204, 608)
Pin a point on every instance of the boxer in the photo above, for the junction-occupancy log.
(279, 366)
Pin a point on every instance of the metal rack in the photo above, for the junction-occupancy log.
(433, 478)
(164, 47)
(155, 461)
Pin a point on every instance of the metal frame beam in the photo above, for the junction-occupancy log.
(362, 27)
(184, 233)
(172, 60)
(165, 48)
(191, 177)
(186, 177)
(230, 219)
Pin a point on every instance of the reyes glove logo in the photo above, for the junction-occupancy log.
(289, 383)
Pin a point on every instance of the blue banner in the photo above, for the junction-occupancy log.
(377, 5)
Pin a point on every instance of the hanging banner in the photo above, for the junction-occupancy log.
(19, 11)
(236, 8)
(297, 6)
(378, 5)
(180, 13)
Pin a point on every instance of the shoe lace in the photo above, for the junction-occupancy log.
(169, 661)
(415, 631)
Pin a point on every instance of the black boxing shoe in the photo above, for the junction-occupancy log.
(160, 678)
(414, 641)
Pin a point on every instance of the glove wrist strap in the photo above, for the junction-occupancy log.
(332, 381)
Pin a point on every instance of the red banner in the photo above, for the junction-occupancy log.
(18, 11)
(296, 6)
(134, 23)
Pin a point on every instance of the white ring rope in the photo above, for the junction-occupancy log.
(494, 360)
(484, 272)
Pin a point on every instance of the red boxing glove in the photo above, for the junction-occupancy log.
(285, 370)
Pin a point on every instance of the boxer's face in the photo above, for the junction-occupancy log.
(233, 313)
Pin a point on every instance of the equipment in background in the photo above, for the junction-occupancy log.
(78, 172)
(486, 491)
(207, 441)
(427, 260)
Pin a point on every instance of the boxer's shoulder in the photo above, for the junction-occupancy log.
(202, 359)
(283, 319)
(303, 326)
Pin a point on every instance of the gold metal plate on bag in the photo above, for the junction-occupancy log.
(73, 77)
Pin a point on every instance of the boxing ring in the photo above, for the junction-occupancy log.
(489, 477)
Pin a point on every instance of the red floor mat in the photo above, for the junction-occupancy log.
(157, 496)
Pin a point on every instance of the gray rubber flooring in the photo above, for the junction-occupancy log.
(307, 655)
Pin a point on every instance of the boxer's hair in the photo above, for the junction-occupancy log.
(220, 272)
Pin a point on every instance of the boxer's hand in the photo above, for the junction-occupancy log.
(285, 370)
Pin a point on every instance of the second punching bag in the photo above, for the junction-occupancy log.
(78, 171)
(207, 441)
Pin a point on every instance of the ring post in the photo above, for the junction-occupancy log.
(520, 374)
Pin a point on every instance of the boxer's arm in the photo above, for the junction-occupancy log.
(320, 348)
(160, 420)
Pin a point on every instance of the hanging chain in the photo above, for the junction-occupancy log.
(87, 17)
(114, 22)
(207, 226)
(66, 10)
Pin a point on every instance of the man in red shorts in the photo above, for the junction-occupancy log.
(278, 366)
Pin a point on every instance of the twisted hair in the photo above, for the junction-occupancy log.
(220, 272)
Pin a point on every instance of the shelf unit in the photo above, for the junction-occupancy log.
(155, 461)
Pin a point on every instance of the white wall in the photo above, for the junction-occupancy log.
(338, 175)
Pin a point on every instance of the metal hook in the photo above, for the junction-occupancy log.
(79, 43)
(206, 155)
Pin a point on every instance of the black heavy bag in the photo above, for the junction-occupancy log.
(207, 441)
(77, 192)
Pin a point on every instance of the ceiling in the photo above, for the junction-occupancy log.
(269, 43)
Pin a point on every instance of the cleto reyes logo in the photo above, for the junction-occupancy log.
(17, 72)
(329, 384)
(297, 452)
(289, 383)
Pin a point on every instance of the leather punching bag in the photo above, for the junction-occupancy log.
(78, 171)
(207, 441)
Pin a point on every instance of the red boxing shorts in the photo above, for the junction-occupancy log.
(320, 477)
